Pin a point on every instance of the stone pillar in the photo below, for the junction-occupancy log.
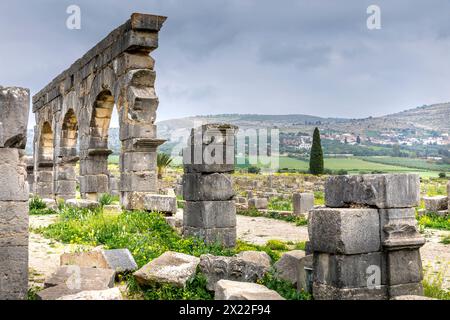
(210, 211)
(138, 133)
(14, 108)
(43, 157)
(302, 203)
(365, 241)
(30, 173)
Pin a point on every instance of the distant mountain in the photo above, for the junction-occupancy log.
(419, 121)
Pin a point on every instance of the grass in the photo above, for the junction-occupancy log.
(415, 163)
(434, 221)
(356, 165)
(147, 236)
(446, 240)
(433, 283)
(280, 204)
(38, 207)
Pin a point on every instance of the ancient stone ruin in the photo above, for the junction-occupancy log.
(14, 193)
(78, 104)
(210, 211)
(365, 241)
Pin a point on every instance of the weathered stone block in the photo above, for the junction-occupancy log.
(90, 259)
(381, 190)
(415, 289)
(436, 203)
(287, 268)
(305, 274)
(399, 228)
(404, 266)
(258, 203)
(65, 187)
(138, 161)
(327, 292)
(170, 268)
(13, 273)
(13, 176)
(14, 109)
(112, 294)
(94, 184)
(207, 187)
(138, 181)
(94, 166)
(241, 268)
(160, 203)
(232, 290)
(349, 271)
(13, 224)
(222, 236)
(210, 214)
(81, 278)
(131, 131)
(303, 202)
(344, 231)
(128, 61)
(120, 260)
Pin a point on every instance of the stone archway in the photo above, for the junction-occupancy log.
(117, 71)
(94, 175)
(65, 173)
(44, 162)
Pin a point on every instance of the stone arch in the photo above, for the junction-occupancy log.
(94, 179)
(44, 163)
(65, 173)
(118, 71)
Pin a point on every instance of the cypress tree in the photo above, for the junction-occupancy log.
(316, 166)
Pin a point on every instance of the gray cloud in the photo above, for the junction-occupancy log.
(260, 56)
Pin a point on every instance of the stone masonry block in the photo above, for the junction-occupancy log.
(160, 203)
(207, 187)
(13, 273)
(344, 231)
(399, 228)
(327, 292)
(404, 266)
(436, 203)
(94, 184)
(348, 271)
(138, 161)
(210, 214)
(380, 190)
(13, 223)
(223, 236)
(138, 181)
(14, 109)
(13, 176)
(303, 202)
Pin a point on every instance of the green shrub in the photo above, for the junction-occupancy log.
(36, 203)
(105, 199)
(442, 175)
(284, 288)
(431, 220)
(38, 207)
(254, 170)
(277, 245)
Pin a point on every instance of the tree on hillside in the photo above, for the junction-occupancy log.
(316, 166)
(162, 162)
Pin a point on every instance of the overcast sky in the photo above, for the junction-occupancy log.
(251, 56)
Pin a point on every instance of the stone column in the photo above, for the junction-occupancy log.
(210, 211)
(365, 241)
(302, 203)
(14, 193)
(30, 173)
(138, 133)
